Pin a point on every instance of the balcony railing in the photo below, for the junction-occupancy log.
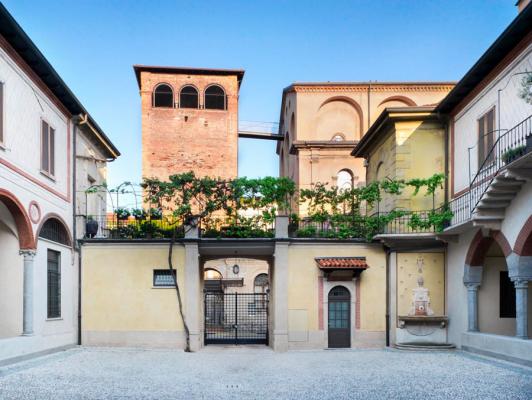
(110, 227)
(460, 207)
(507, 148)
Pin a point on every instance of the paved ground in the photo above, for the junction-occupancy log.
(104, 373)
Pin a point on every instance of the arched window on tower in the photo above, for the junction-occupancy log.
(215, 98)
(163, 96)
(344, 180)
(188, 97)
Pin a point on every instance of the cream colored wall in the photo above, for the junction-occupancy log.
(11, 273)
(433, 274)
(411, 149)
(304, 287)
(117, 288)
(488, 300)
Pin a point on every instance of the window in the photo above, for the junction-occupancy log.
(261, 283)
(344, 180)
(54, 284)
(55, 231)
(1, 112)
(163, 96)
(486, 137)
(163, 277)
(47, 149)
(506, 296)
(188, 98)
(215, 98)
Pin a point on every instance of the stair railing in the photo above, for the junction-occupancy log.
(497, 158)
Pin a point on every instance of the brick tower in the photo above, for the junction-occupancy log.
(189, 120)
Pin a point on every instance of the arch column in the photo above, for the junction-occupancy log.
(27, 319)
(472, 280)
(521, 308)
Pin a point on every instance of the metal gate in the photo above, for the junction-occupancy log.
(236, 318)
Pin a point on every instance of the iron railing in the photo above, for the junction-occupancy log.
(405, 224)
(460, 207)
(508, 147)
(236, 227)
(110, 227)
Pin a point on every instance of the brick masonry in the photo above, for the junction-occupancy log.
(178, 140)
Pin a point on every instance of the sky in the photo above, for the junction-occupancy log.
(93, 45)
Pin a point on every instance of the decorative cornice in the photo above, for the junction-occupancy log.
(363, 88)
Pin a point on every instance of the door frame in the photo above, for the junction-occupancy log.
(351, 287)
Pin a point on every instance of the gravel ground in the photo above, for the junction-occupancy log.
(259, 373)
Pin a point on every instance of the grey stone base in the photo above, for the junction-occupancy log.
(164, 339)
(503, 347)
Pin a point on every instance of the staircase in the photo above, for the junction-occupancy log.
(507, 167)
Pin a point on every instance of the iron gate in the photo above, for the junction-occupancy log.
(236, 318)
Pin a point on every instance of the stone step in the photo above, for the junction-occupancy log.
(425, 346)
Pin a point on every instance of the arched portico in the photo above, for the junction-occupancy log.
(512, 277)
(22, 220)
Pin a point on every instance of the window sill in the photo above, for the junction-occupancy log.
(163, 287)
(54, 319)
(3, 146)
(47, 175)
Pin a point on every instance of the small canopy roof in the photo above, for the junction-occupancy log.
(341, 263)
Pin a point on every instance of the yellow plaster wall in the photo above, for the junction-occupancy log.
(303, 276)
(117, 293)
(433, 276)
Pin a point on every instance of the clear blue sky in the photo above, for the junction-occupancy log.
(93, 45)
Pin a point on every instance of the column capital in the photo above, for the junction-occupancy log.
(472, 286)
(28, 253)
(520, 283)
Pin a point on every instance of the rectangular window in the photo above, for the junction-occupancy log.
(47, 149)
(506, 296)
(54, 284)
(163, 277)
(1, 112)
(486, 137)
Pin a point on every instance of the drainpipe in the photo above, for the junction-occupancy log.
(75, 246)
(387, 316)
(369, 108)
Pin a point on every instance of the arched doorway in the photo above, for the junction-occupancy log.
(339, 317)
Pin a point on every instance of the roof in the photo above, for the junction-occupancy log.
(188, 70)
(344, 263)
(12, 32)
(377, 130)
(519, 29)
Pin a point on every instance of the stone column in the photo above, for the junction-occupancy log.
(472, 307)
(27, 316)
(280, 300)
(521, 308)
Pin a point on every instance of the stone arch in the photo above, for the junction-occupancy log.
(480, 245)
(62, 222)
(523, 243)
(403, 99)
(22, 220)
(352, 103)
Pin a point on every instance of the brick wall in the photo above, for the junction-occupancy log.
(178, 140)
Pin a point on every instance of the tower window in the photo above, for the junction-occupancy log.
(215, 98)
(163, 96)
(188, 97)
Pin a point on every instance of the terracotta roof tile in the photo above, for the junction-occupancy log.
(341, 262)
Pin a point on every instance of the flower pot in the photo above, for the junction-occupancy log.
(528, 143)
(91, 228)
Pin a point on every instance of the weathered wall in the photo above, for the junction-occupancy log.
(120, 306)
(177, 140)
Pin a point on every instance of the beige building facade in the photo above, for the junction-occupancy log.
(323, 122)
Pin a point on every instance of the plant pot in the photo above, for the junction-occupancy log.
(528, 143)
(91, 228)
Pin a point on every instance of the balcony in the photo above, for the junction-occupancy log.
(506, 168)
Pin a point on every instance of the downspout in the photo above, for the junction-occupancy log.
(387, 316)
(446, 155)
(369, 108)
(76, 247)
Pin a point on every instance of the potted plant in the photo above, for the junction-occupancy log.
(139, 214)
(122, 214)
(155, 214)
(511, 154)
(91, 227)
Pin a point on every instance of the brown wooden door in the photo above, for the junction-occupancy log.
(339, 314)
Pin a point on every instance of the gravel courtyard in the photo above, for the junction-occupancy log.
(259, 373)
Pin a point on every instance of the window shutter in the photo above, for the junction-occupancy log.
(52, 151)
(1, 112)
(44, 147)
